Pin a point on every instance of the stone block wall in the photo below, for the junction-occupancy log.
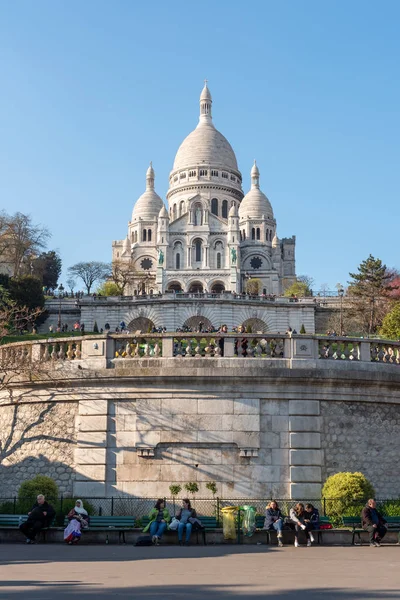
(37, 438)
(361, 436)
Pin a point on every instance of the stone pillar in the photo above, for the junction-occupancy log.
(305, 458)
(90, 454)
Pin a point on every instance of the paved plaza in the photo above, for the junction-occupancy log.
(57, 572)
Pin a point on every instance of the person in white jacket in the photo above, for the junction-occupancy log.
(298, 516)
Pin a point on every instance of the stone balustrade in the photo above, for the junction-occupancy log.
(116, 347)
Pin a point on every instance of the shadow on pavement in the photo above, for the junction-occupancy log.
(63, 591)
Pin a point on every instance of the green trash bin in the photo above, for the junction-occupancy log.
(249, 520)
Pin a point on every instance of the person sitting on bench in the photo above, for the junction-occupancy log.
(373, 522)
(298, 515)
(39, 517)
(159, 518)
(274, 520)
(311, 515)
(184, 516)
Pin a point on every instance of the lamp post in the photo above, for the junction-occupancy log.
(341, 294)
(60, 291)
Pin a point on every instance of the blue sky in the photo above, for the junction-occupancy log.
(92, 91)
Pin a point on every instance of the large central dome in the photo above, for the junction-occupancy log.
(205, 145)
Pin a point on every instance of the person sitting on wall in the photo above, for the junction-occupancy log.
(39, 517)
(184, 515)
(311, 515)
(159, 518)
(373, 522)
(78, 519)
(298, 516)
(274, 520)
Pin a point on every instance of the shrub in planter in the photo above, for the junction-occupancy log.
(346, 493)
(31, 488)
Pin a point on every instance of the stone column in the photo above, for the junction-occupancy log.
(305, 458)
(90, 454)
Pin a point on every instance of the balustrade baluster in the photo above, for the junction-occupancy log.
(78, 350)
(197, 349)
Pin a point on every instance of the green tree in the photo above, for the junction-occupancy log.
(300, 289)
(302, 329)
(192, 488)
(90, 272)
(254, 286)
(27, 291)
(109, 288)
(391, 323)
(369, 292)
(47, 267)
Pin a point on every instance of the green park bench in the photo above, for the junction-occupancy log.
(115, 523)
(318, 532)
(354, 523)
(14, 521)
(209, 524)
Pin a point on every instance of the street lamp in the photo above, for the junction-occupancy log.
(60, 291)
(341, 294)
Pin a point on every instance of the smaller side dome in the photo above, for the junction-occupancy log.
(255, 203)
(163, 214)
(126, 246)
(232, 211)
(149, 204)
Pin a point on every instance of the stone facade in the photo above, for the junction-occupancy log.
(258, 427)
(37, 437)
(366, 438)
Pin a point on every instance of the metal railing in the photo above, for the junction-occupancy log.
(140, 507)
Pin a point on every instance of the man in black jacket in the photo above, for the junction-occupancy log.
(373, 522)
(39, 517)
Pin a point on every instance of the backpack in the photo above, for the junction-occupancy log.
(144, 540)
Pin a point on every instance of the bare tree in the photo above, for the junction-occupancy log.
(90, 272)
(20, 241)
(123, 274)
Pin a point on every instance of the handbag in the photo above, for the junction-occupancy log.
(173, 526)
(144, 540)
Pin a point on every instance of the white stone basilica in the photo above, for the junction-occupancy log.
(213, 237)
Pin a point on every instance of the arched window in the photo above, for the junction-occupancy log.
(218, 260)
(253, 233)
(244, 234)
(174, 212)
(240, 234)
(224, 211)
(198, 250)
(144, 232)
(258, 233)
(182, 208)
(267, 235)
(178, 261)
(149, 235)
(214, 206)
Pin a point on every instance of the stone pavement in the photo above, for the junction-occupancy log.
(59, 572)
